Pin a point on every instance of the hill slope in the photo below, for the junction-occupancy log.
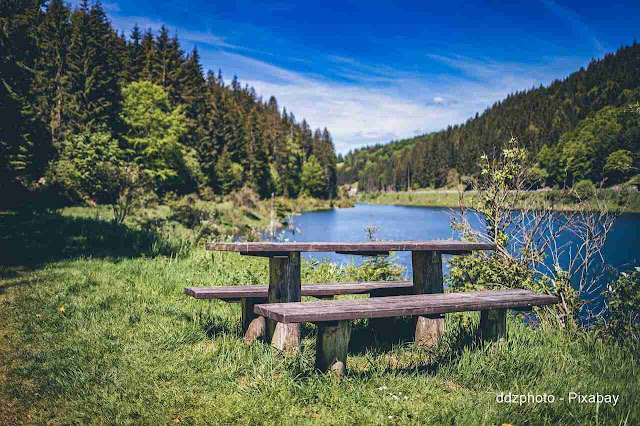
(574, 124)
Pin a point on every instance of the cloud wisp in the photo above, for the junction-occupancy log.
(366, 103)
(359, 112)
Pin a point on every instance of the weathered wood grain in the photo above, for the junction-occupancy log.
(427, 279)
(273, 248)
(332, 342)
(493, 325)
(381, 307)
(257, 328)
(284, 287)
(248, 315)
(235, 292)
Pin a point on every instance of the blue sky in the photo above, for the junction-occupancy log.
(373, 71)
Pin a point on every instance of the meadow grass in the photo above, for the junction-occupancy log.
(102, 333)
(615, 200)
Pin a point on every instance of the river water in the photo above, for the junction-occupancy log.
(400, 223)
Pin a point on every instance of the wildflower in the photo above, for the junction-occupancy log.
(38, 315)
(390, 417)
(382, 388)
(61, 308)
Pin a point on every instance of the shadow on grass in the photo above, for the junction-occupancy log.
(30, 238)
(215, 326)
(384, 336)
(399, 332)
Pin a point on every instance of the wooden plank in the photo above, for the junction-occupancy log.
(235, 292)
(382, 307)
(427, 279)
(332, 342)
(447, 246)
(284, 287)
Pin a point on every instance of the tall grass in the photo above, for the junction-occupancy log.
(129, 347)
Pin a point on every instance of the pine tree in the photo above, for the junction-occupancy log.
(148, 45)
(136, 55)
(93, 69)
(24, 146)
(52, 85)
(259, 173)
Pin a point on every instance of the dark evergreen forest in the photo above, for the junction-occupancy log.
(585, 127)
(82, 105)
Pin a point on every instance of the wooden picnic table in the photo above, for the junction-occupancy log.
(285, 283)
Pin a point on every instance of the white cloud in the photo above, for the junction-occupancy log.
(360, 113)
(363, 104)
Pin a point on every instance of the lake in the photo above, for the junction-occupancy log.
(398, 223)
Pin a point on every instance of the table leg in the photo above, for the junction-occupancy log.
(427, 279)
(284, 286)
(493, 325)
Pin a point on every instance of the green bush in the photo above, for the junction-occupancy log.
(622, 318)
(583, 190)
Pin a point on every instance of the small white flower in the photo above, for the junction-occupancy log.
(382, 388)
(406, 397)
(390, 417)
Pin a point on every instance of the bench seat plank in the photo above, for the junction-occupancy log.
(327, 289)
(381, 307)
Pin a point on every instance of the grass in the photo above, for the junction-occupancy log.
(131, 348)
(615, 200)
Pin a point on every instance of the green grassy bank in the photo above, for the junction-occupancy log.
(615, 200)
(95, 329)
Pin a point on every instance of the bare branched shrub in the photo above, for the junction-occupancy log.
(539, 248)
(124, 188)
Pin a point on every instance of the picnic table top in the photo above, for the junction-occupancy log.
(445, 246)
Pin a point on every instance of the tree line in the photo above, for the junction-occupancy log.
(585, 127)
(81, 101)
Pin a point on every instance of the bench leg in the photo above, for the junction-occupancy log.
(332, 342)
(286, 336)
(493, 325)
(429, 329)
(256, 329)
(248, 315)
(427, 279)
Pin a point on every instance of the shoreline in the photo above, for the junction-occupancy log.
(450, 199)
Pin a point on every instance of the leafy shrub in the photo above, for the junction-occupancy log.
(245, 197)
(619, 165)
(125, 188)
(622, 319)
(186, 212)
(583, 190)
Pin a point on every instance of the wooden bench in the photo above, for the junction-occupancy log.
(333, 318)
(251, 295)
(285, 274)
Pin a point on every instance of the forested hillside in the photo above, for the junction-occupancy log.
(83, 106)
(586, 126)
